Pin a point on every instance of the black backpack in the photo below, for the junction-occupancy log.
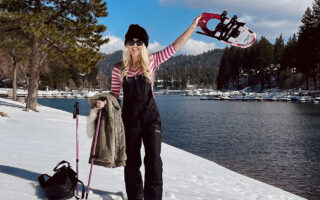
(62, 184)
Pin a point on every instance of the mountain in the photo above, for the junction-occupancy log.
(208, 59)
(199, 70)
(108, 62)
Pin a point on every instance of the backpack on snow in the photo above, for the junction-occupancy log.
(62, 184)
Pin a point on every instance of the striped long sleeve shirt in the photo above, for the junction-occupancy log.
(155, 60)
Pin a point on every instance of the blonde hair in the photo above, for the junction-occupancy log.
(144, 62)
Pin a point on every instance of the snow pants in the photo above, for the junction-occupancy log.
(142, 124)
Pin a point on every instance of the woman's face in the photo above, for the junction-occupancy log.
(135, 47)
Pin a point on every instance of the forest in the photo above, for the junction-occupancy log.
(295, 64)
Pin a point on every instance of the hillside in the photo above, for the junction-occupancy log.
(177, 71)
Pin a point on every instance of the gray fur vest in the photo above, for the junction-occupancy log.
(110, 149)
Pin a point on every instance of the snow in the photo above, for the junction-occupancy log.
(33, 143)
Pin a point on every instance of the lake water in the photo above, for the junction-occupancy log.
(274, 142)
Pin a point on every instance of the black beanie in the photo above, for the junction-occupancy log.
(136, 31)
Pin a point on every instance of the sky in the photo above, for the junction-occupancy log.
(166, 20)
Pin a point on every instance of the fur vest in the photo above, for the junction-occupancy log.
(110, 149)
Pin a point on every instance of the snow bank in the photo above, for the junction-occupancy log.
(33, 143)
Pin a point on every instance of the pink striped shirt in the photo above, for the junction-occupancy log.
(155, 60)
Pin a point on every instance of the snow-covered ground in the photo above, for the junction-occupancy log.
(33, 143)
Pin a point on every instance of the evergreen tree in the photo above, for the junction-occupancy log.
(278, 49)
(288, 62)
(17, 52)
(59, 74)
(17, 47)
(56, 27)
(306, 46)
(264, 59)
(249, 66)
(91, 78)
(224, 70)
(236, 64)
(183, 82)
(316, 33)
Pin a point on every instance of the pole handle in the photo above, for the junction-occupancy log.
(75, 110)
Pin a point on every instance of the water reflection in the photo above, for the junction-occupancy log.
(274, 142)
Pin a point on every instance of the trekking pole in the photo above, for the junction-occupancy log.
(75, 116)
(94, 151)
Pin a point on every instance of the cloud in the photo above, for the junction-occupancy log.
(155, 46)
(115, 43)
(192, 47)
(268, 18)
(270, 28)
(277, 8)
(195, 47)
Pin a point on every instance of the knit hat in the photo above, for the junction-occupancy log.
(136, 31)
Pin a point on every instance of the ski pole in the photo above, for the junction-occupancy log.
(75, 116)
(93, 152)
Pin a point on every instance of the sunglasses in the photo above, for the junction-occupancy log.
(138, 43)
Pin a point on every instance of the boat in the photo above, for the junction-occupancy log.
(315, 101)
(204, 98)
(196, 93)
(236, 97)
(224, 98)
(298, 99)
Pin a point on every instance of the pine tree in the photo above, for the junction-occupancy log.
(316, 33)
(16, 47)
(224, 70)
(288, 61)
(306, 46)
(264, 59)
(288, 58)
(18, 52)
(236, 55)
(56, 27)
(249, 66)
(278, 49)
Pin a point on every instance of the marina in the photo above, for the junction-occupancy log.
(7, 93)
(283, 96)
(306, 96)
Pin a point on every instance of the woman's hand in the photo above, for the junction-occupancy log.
(101, 104)
(196, 21)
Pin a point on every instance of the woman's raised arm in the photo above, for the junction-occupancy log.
(182, 39)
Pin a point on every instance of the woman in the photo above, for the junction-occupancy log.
(140, 114)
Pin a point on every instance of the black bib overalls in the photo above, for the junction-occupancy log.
(142, 123)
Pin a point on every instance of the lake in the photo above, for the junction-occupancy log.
(274, 142)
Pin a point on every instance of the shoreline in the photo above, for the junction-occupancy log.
(311, 96)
